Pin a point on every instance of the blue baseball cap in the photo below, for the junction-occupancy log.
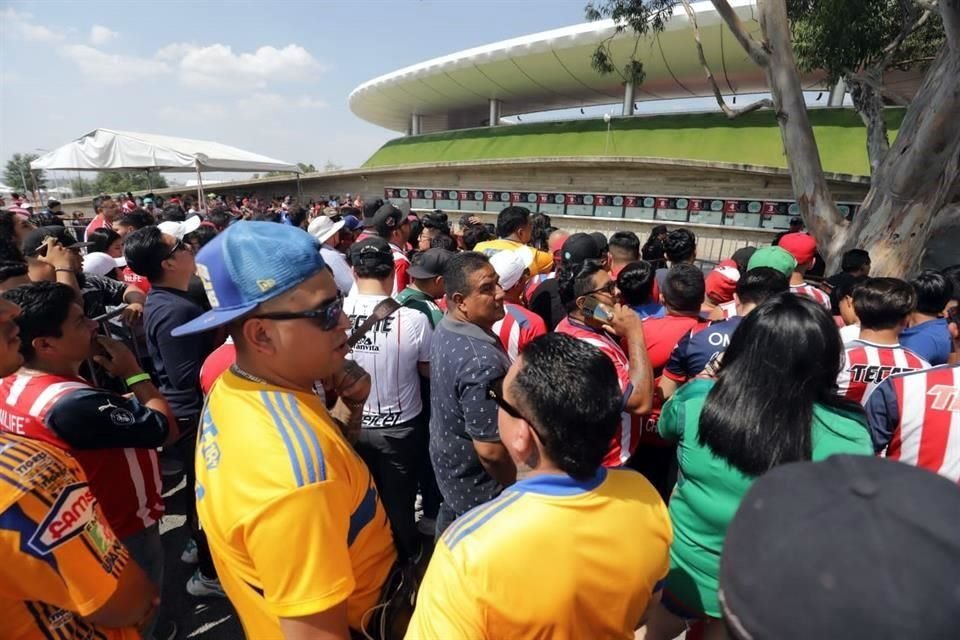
(250, 263)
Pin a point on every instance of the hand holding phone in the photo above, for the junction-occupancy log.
(597, 310)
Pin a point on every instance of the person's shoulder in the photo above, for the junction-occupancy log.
(696, 389)
(33, 469)
(480, 534)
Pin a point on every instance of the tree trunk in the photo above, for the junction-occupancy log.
(868, 103)
(817, 208)
(919, 176)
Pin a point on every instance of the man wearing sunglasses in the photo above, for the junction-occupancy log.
(168, 265)
(587, 546)
(299, 537)
(596, 316)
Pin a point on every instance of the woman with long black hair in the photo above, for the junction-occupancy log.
(774, 401)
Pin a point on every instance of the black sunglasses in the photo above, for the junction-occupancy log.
(495, 393)
(609, 288)
(326, 316)
(178, 245)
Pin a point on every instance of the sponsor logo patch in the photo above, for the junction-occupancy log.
(67, 518)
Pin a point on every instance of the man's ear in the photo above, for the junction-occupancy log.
(256, 336)
(43, 346)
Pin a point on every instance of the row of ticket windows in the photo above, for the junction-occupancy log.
(724, 212)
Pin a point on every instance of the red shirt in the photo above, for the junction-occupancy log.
(866, 365)
(98, 222)
(818, 295)
(129, 277)
(518, 328)
(215, 364)
(126, 481)
(625, 440)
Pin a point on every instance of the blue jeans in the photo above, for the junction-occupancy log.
(147, 551)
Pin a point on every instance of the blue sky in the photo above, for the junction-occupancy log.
(271, 77)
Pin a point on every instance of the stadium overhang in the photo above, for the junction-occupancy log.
(552, 70)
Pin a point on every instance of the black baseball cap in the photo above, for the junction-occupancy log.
(36, 239)
(385, 213)
(579, 248)
(601, 240)
(850, 547)
(429, 263)
(371, 251)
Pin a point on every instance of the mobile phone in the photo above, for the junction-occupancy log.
(597, 310)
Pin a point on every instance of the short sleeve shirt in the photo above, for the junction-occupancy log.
(59, 559)
(930, 340)
(463, 360)
(696, 349)
(294, 522)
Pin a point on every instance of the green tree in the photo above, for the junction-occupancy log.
(306, 168)
(916, 185)
(20, 176)
(122, 181)
(83, 186)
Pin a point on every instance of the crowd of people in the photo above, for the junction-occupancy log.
(391, 424)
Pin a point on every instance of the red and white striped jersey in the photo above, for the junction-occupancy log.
(729, 309)
(518, 328)
(625, 441)
(811, 291)
(400, 265)
(916, 417)
(867, 364)
(126, 481)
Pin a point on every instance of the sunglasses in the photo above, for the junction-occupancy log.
(495, 393)
(178, 246)
(610, 288)
(326, 316)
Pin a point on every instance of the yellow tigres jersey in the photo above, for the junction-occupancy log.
(542, 261)
(291, 513)
(551, 557)
(58, 555)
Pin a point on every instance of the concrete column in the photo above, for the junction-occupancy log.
(837, 92)
(494, 112)
(629, 93)
(416, 124)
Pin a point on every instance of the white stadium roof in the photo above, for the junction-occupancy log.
(552, 70)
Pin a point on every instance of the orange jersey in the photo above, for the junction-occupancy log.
(59, 559)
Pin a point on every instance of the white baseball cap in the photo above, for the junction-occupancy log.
(509, 265)
(322, 227)
(100, 264)
(180, 229)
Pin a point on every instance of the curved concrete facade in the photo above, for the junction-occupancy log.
(552, 70)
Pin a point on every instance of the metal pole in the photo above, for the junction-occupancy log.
(494, 112)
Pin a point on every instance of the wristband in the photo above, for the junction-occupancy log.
(135, 378)
(63, 269)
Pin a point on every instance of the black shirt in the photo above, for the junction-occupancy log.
(88, 419)
(545, 302)
(176, 361)
(99, 292)
(463, 359)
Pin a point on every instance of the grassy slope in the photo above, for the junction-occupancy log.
(750, 139)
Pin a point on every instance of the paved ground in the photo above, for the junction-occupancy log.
(205, 618)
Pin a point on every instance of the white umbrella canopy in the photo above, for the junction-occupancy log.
(109, 150)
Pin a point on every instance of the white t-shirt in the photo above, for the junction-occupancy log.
(342, 273)
(390, 352)
(849, 332)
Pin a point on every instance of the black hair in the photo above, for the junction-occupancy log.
(219, 217)
(12, 269)
(137, 219)
(266, 216)
(374, 265)
(952, 273)
(457, 272)
(145, 252)
(540, 228)
(370, 207)
(297, 215)
(624, 246)
(854, 260)
(680, 245)
(475, 234)
(44, 307)
(390, 224)
(99, 200)
(173, 212)
(635, 282)
(652, 249)
(883, 303)
(783, 358)
(203, 234)
(846, 287)
(102, 238)
(10, 251)
(934, 291)
(7, 225)
(575, 280)
(760, 283)
(350, 211)
(436, 220)
(574, 416)
(511, 219)
(684, 288)
(742, 257)
(444, 241)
